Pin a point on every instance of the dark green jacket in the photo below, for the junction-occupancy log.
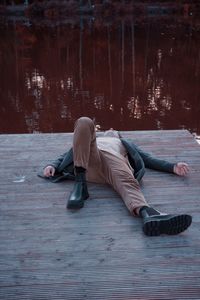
(139, 160)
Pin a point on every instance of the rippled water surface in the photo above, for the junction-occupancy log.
(129, 74)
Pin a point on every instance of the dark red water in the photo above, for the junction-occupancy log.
(129, 74)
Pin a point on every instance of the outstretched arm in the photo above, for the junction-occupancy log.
(50, 169)
(180, 168)
(54, 166)
(154, 163)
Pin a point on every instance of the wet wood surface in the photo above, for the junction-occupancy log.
(100, 251)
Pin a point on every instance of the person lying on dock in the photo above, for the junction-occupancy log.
(116, 161)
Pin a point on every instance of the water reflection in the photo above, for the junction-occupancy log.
(128, 74)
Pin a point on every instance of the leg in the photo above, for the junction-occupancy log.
(84, 143)
(119, 175)
(85, 151)
(86, 154)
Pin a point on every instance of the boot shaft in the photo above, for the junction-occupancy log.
(80, 177)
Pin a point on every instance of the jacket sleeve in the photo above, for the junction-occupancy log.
(155, 163)
(56, 163)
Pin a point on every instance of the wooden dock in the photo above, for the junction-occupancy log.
(100, 251)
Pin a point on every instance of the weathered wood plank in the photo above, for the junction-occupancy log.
(99, 252)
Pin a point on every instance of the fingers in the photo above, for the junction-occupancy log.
(52, 171)
(185, 170)
(46, 172)
(182, 169)
(49, 171)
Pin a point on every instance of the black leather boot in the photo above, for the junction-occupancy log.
(155, 223)
(79, 193)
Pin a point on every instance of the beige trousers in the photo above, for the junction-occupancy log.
(105, 160)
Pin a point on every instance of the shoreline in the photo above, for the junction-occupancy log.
(53, 10)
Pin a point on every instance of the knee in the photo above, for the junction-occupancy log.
(84, 121)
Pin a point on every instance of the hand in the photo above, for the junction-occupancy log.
(49, 171)
(181, 169)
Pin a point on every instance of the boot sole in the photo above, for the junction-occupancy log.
(170, 225)
(76, 204)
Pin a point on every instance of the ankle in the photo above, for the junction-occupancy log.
(146, 211)
(79, 170)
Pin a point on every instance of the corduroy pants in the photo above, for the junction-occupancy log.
(106, 162)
